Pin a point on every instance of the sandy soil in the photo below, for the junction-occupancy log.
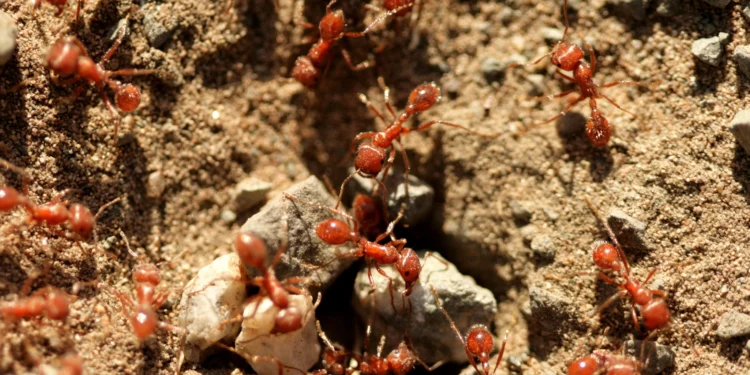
(675, 166)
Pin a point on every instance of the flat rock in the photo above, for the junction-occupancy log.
(158, 22)
(742, 58)
(709, 50)
(740, 127)
(733, 324)
(630, 231)
(248, 193)
(298, 349)
(553, 308)
(304, 249)
(466, 302)
(660, 357)
(213, 296)
(543, 247)
(419, 203)
(8, 34)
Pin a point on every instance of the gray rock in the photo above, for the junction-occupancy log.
(660, 357)
(668, 8)
(492, 69)
(465, 301)
(635, 9)
(717, 3)
(742, 58)
(709, 50)
(153, 22)
(552, 35)
(740, 127)
(521, 213)
(543, 247)
(630, 231)
(215, 294)
(553, 308)
(733, 324)
(421, 195)
(304, 248)
(248, 193)
(746, 13)
(8, 34)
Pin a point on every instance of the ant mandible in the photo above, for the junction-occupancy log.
(569, 57)
(68, 58)
(654, 311)
(370, 158)
(478, 343)
(309, 68)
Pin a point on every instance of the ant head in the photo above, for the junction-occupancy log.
(147, 273)
(409, 267)
(62, 57)
(9, 198)
(81, 220)
(89, 70)
(405, 6)
(606, 256)
(144, 322)
(334, 232)
(597, 129)
(401, 360)
(251, 249)
(127, 97)
(332, 25)
(423, 97)
(479, 344)
(369, 159)
(656, 314)
(584, 366)
(288, 320)
(58, 305)
(566, 55)
(366, 211)
(305, 72)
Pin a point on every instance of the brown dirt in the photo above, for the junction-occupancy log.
(675, 166)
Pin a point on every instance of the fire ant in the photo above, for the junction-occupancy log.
(309, 68)
(60, 4)
(68, 57)
(478, 343)
(336, 232)
(654, 311)
(334, 359)
(371, 157)
(48, 301)
(569, 57)
(603, 362)
(142, 312)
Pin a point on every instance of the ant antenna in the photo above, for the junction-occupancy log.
(611, 234)
(565, 15)
(127, 244)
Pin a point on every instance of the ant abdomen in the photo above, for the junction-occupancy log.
(655, 314)
(287, 320)
(305, 72)
(333, 232)
(9, 198)
(127, 98)
(423, 97)
(584, 366)
(81, 220)
(598, 130)
(251, 250)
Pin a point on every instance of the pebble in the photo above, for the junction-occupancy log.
(543, 247)
(718, 3)
(553, 308)
(733, 324)
(299, 349)
(248, 193)
(421, 195)
(742, 58)
(521, 213)
(668, 8)
(203, 307)
(304, 248)
(466, 303)
(155, 185)
(492, 69)
(746, 13)
(659, 358)
(8, 34)
(537, 84)
(156, 32)
(709, 50)
(552, 34)
(630, 231)
(228, 216)
(740, 127)
(635, 9)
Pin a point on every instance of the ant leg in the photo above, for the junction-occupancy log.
(135, 72)
(445, 313)
(115, 46)
(78, 10)
(565, 15)
(361, 66)
(452, 125)
(635, 317)
(363, 98)
(616, 105)
(391, 226)
(318, 205)
(606, 279)
(592, 57)
(259, 358)
(615, 83)
(550, 97)
(610, 233)
(386, 96)
(376, 21)
(364, 135)
(650, 275)
(341, 190)
(502, 351)
(113, 110)
(430, 254)
(565, 77)
(561, 114)
(608, 302)
(407, 168)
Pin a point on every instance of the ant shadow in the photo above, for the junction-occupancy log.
(571, 129)
(14, 123)
(741, 170)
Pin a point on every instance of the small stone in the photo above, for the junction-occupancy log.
(733, 324)
(629, 230)
(492, 69)
(635, 9)
(304, 248)
(209, 299)
(159, 22)
(659, 358)
(543, 247)
(746, 13)
(228, 216)
(248, 193)
(742, 58)
(297, 349)
(528, 233)
(521, 213)
(451, 85)
(740, 127)
(552, 34)
(515, 362)
(708, 50)
(718, 3)
(747, 346)
(434, 340)
(668, 8)
(155, 185)
(421, 195)
(537, 84)
(8, 34)
(553, 307)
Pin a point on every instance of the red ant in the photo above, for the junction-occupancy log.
(142, 312)
(60, 4)
(335, 359)
(478, 343)
(601, 362)
(68, 57)
(336, 232)
(48, 301)
(371, 157)
(367, 213)
(308, 69)
(654, 311)
(56, 212)
(569, 57)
